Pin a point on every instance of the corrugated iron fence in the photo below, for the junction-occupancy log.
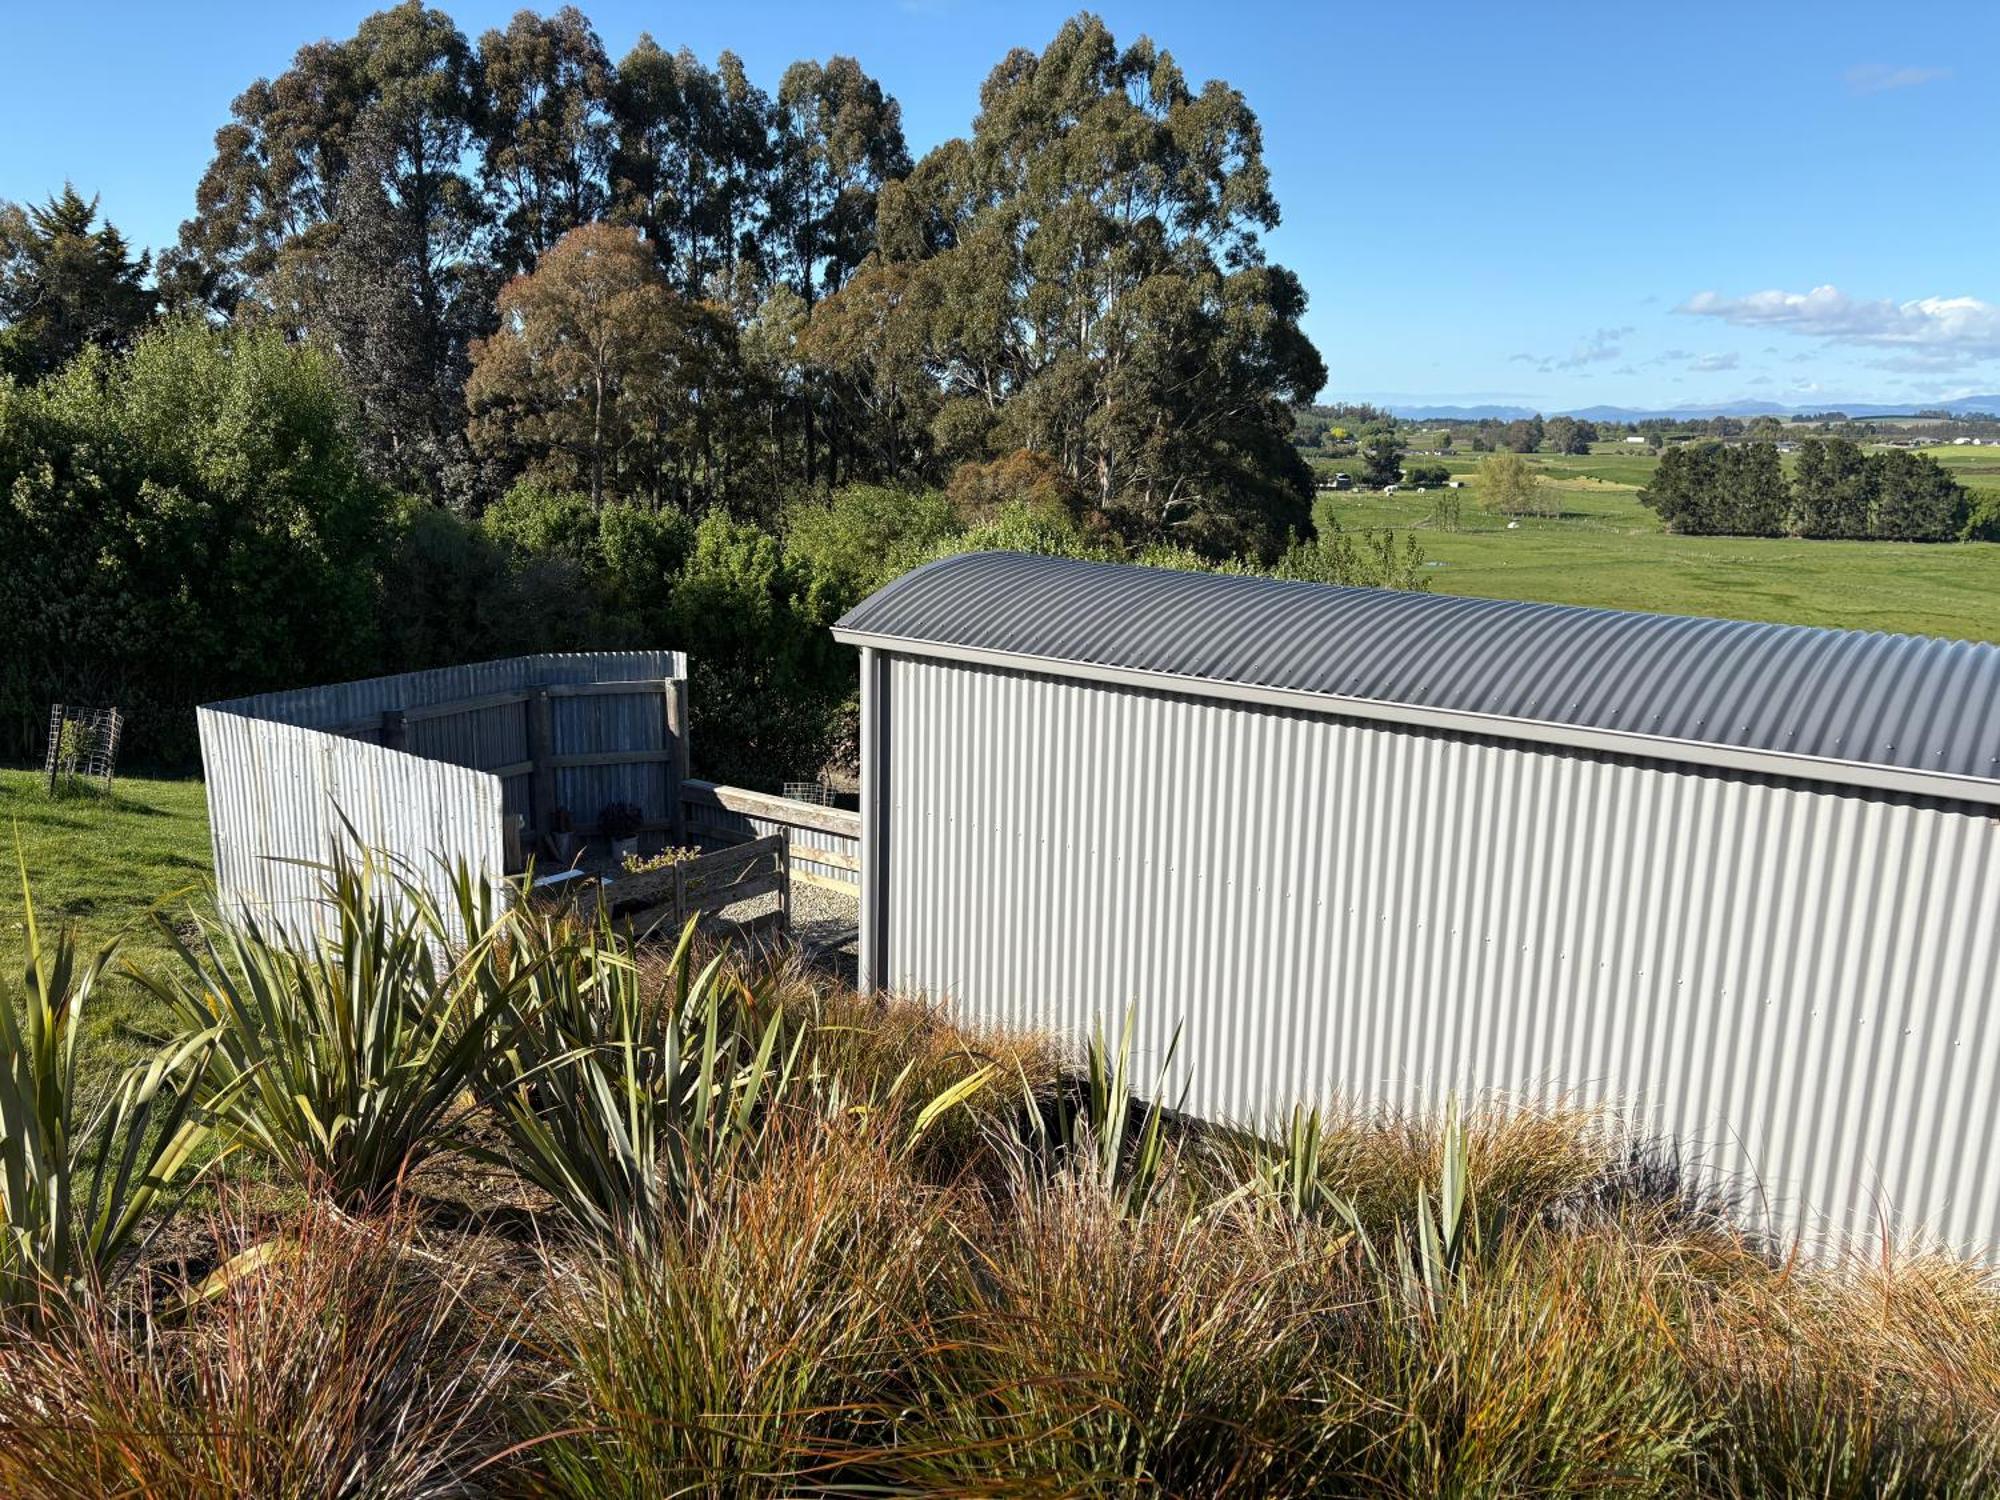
(472, 764)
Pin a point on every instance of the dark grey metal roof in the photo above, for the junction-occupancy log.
(1899, 702)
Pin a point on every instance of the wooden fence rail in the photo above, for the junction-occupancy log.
(664, 900)
(825, 842)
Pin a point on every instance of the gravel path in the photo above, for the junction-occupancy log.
(825, 924)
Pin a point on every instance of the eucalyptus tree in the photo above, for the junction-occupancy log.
(837, 138)
(1098, 291)
(691, 163)
(599, 377)
(548, 135)
(349, 177)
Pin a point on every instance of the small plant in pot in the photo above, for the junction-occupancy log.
(620, 823)
(562, 836)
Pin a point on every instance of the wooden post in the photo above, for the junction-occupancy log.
(395, 729)
(674, 701)
(542, 751)
(785, 886)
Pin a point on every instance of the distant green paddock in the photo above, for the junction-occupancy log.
(1607, 549)
(1975, 468)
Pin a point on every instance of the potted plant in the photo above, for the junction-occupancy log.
(562, 836)
(620, 823)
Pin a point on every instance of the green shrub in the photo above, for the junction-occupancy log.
(865, 535)
(180, 523)
(767, 678)
(1982, 517)
(82, 1188)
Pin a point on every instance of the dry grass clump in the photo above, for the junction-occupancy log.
(335, 1359)
(1082, 1348)
(1523, 1160)
(1860, 1378)
(786, 1239)
(1545, 1367)
(871, 1054)
(760, 1346)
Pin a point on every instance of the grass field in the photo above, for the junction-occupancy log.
(1975, 468)
(105, 864)
(1607, 549)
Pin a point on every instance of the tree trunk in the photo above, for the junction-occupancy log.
(597, 448)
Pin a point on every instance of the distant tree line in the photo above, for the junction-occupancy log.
(1336, 431)
(1837, 491)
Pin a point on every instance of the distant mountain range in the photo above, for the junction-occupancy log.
(1696, 409)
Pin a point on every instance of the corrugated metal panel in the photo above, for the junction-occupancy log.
(280, 798)
(276, 770)
(345, 702)
(1905, 702)
(602, 723)
(1797, 982)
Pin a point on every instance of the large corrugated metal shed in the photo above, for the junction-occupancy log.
(1896, 712)
(1733, 880)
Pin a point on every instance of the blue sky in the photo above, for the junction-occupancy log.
(1552, 204)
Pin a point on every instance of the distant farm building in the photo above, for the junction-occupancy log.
(1738, 879)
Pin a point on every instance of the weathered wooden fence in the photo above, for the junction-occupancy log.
(825, 842)
(707, 887)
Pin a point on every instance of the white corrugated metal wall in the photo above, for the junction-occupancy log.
(277, 795)
(1793, 980)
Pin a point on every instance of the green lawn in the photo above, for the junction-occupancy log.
(104, 865)
(1607, 549)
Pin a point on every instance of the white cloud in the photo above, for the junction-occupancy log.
(1599, 347)
(1709, 363)
(1940, 332)
(1880, 78)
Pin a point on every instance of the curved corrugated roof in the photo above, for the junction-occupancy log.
(1900, 703)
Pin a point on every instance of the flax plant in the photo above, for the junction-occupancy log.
(78, 1185)
(618, 1101)
(347, 1059)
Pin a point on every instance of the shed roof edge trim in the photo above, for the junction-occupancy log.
(1936, 784)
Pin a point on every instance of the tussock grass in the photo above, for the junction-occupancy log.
(1863, 1378)
(1083, 1347)
(337, 1359)
(785, 1239)
(761, 1346)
